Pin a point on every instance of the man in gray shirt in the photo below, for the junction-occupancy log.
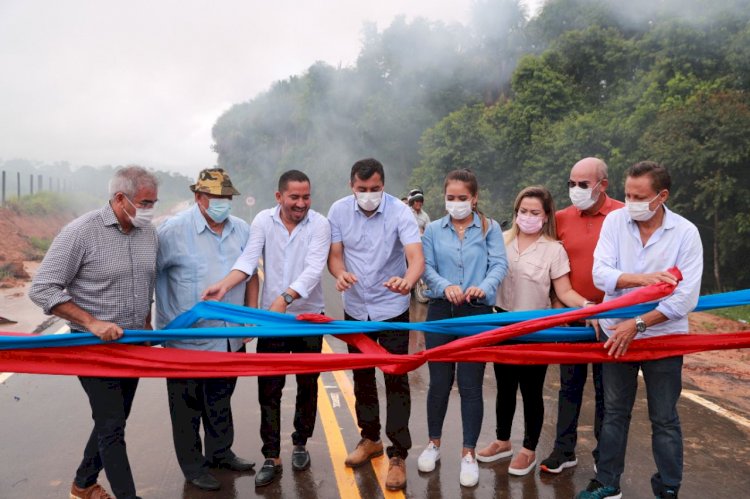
(99, 275)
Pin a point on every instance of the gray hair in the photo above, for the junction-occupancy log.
(601, 170)
(130, 179)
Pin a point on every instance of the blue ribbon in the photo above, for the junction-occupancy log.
(262, 323)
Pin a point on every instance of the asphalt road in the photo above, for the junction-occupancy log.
(45, 420)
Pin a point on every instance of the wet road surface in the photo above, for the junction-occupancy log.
(45, 420)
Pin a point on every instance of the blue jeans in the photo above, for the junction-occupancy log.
(470, 376)
(572, 381)
(663, 380)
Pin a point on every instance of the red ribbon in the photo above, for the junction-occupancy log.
(119, 360)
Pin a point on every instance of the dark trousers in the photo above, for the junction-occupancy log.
(269, 395)
(190, 402)
(572, 381)
(397, 394)
(470, 376)
(531, 381)
(663, 380)
(111, 400)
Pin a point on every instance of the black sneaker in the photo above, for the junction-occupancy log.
(667, 493)
(558, 461)
(596, 490)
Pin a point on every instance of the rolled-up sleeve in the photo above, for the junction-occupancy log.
(690, 262)
(605, 271)
(57, 271)
(497, 260)
(315, 258)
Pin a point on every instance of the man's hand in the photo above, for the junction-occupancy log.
(398, 285)
(473, 293)
(655, 277)
(278, 305)
(620, 339)
(106, 331)
(214, 292)
(345, 281)
(454, 294)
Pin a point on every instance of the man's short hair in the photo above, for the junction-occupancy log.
(660, 177)
(366, 168)
(130, 179)
(291, 176)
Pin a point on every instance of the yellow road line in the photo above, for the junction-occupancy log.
(345, 480)
(379, 464)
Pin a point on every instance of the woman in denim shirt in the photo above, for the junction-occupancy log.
(464, 265)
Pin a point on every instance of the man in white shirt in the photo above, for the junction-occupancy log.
(293, 241)
(373, 238)
(636, 246)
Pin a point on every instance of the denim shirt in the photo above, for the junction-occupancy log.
(477, 260)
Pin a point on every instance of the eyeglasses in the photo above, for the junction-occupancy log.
(583, 184)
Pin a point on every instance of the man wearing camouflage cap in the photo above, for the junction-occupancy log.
(195, 246)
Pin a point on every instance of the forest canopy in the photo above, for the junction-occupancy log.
(519, 101)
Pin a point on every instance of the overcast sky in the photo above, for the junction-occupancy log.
(113, 82)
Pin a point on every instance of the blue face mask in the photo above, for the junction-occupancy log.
(218, 209)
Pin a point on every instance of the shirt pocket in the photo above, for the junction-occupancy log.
(535, 272)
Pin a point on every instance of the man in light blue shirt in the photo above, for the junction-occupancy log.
(376, 258)
(636, 246)
(293, 241)
(195, 246)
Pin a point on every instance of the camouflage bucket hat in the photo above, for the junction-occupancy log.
(214, 181)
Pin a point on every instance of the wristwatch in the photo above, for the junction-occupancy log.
(288, 299)
(640, 324)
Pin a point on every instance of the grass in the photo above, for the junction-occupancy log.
(5, 272)
(42, 203)
(40, 243)
(741, 313)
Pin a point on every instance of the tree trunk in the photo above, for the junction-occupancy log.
(717, 275)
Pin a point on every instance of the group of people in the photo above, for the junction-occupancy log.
(103, 270)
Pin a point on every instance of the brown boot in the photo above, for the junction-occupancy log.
(366, 449)
(396, 478)
(95, 491)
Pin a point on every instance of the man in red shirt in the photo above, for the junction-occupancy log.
(578, 228)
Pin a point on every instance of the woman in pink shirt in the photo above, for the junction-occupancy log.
(537, 266)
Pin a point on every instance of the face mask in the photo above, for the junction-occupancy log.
(219, 209)
(529, 224)
(458, 209)
(639, 211)
(143, 216)
(581, 198)
(369, 201)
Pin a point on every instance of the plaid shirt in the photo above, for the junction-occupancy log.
(104, 271)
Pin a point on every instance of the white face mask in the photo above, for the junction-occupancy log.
(639, 211)
(581, 198)
(143, 216)
(458, 209)
(369, 201)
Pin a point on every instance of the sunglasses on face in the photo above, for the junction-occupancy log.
(583, 184)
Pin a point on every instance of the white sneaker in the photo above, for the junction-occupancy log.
(427, 459)
(469, 476)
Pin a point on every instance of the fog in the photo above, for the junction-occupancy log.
(108, 83)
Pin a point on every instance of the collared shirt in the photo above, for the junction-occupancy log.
(374, 252)
(579, 233)
(676, 243)
(293, 260)
(422, 218)
(530, 274)
(104, 271)
(191, 257)
(476, 260)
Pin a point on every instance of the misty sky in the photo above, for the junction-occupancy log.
(103, 82)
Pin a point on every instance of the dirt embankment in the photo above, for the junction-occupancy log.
(23, 238)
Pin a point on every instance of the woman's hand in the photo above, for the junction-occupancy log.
(454, 294)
